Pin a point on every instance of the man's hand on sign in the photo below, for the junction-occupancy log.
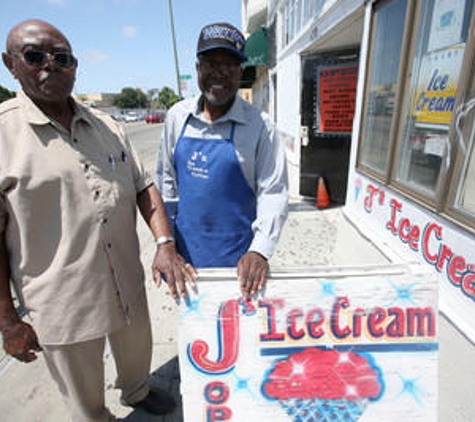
(174, 269)
(252, 269)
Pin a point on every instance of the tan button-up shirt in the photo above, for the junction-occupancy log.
(68, 212)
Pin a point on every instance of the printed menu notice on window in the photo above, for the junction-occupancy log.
(336, 95)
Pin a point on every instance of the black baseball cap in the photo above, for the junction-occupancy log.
(222, 35)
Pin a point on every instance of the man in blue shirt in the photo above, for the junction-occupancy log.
(223, 164)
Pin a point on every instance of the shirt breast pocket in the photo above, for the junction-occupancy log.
(122, 181)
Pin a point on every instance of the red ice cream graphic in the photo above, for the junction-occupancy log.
(321, 385)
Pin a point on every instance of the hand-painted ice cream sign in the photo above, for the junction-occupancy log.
(435, 93)
(342, 344)
(411, 233)
(428, 238)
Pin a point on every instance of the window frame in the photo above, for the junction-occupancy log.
(386, 175)
(465, 88)
(442, 199)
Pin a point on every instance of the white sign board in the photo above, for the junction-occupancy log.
(318, 345)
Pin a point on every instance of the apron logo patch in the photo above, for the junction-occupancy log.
(197, 165)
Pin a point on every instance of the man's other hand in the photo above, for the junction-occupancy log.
(21, 342)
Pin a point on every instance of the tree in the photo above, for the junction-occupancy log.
(5, 94)
(152, 95)
(167, 97)
(131, 98)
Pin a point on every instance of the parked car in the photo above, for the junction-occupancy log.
(156, 116)
(118, 117)
(132, 116)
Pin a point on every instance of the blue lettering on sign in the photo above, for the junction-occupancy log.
(438, 83)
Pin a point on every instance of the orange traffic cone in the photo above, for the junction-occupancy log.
(323, 198)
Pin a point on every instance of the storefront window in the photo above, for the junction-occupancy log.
(387, 37)
(297, 13)
(308, 10)
(418, 126)
(465, 143)
(428, 111)
(291, 12)
(465, 200)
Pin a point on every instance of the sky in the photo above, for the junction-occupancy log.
(124, 43)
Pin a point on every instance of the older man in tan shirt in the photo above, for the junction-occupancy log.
(70, 184)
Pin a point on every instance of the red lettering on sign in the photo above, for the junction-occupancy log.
(270, 306)
(216, 394)
(444, 257)
(414, 237)
(420, 322)
(434, 251)
(338, 331)
(292, 318)
(315, 321)
(376, 322)
(395, 208)
(381, 322)
(358, 315)
(468, 284)
(214, 414)
(457, 266)
(228, 342)
(431, 230)
(396, 325)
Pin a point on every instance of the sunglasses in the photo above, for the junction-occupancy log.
(39, 58)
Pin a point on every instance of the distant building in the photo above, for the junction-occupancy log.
(96, 100)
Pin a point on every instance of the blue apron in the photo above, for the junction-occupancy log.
(216, 206)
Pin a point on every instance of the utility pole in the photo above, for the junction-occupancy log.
(178, 82)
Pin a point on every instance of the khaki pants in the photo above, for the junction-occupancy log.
(78, 369)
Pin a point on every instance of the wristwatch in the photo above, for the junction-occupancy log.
(164, 239)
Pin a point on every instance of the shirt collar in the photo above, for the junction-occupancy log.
(236, 113)
(35, 116)
(31, 112)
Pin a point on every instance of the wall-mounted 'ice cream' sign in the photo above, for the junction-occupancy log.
(335, 345)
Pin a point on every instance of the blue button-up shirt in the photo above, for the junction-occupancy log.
(259, 150)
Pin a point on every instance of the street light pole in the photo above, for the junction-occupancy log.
(174, 48)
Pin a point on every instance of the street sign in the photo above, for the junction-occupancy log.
(185, 77)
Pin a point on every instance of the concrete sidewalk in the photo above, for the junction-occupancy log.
(310, 238)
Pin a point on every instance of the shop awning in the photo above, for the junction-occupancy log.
(257, 49)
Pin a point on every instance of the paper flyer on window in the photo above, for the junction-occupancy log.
(446, 25)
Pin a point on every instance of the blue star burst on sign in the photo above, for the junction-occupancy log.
(193, 306)
(328, 289)
(409, 386)
(403, 293)
(242, 384)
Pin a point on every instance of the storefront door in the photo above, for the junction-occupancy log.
(327, 108)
